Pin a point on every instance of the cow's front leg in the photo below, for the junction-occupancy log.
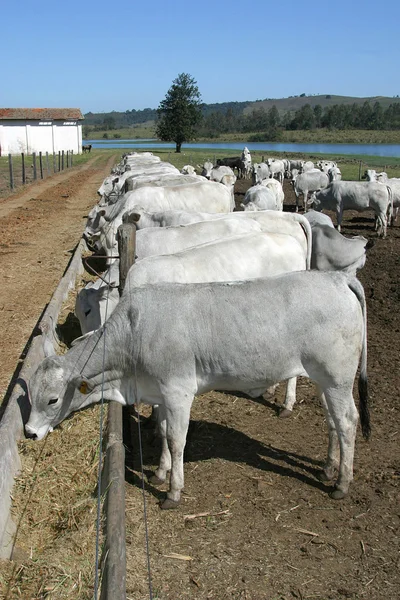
(339, 217)
(290, 398)
(305, 198)
(297, 201)
(178, 415)
(160, 474)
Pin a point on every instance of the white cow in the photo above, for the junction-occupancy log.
(259, 197)
(325, 165)
(246, 160)
(273, 221)
(218, 173)
(310, 181)
(102, 223)
(334, 174)
(260, 172)
(229, 336)
(276, 187)
(115, 184)
(248, 255)
(97, 300)
(355, 195)
(188, 170)
(276, 168)
(306, 166)
(206, 169)
(394, 184)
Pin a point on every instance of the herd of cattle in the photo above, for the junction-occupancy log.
(221, 299)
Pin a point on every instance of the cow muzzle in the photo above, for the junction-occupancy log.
(37, 433)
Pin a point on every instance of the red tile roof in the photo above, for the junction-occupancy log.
(41, 114)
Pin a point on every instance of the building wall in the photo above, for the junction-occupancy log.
(40, 136)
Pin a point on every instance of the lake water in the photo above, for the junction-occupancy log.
(392, 150)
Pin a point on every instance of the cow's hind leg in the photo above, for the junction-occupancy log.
(332, 461)
(341, 408)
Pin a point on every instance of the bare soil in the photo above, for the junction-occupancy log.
(261, 525)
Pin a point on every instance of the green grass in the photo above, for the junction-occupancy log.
(143, 130)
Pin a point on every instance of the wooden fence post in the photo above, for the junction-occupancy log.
(10, 166)
(34, 166)
(54, 162)
(59, 161)
(72, 157)
(359, 171)
(23, 168)
(41, 165)
(114, 570)
(62, 160)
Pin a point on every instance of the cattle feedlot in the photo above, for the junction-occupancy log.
(255, 522)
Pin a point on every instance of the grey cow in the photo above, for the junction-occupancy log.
(166, 343)
(356, 195)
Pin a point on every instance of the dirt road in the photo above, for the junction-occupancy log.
(39, 229)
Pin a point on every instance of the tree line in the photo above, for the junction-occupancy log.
(268, 124)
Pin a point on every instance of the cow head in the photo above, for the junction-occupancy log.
(54, 394)
(207, 168)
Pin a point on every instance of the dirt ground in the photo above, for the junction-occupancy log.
(255, 523)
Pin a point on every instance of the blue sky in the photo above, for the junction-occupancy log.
(102, 56)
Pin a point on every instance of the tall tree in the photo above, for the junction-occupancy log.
(179, 114)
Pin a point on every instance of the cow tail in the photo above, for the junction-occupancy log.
(308, 233)
(358, 290)
(390, 205)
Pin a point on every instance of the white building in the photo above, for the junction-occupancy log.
(43, 130)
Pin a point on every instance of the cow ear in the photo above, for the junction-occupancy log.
(131, 217)
(82, 337)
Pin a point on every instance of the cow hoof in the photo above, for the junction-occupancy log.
(154, 480)
(284, 413)
(324, 476)
(169, 504)
(337, 494)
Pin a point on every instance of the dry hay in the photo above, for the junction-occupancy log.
(55, 506)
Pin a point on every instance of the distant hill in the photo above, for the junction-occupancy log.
(293, 103)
